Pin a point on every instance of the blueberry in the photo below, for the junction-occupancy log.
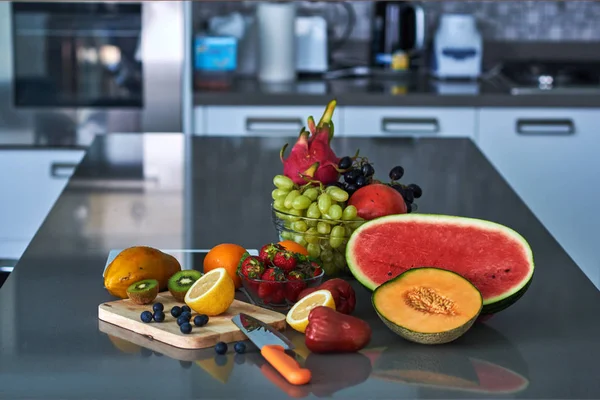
(158, 307)
(200, 320)
(146, 316)
(186, 308)
(240, 347)
(186, 328)
(416, 189)
(396, 173)
(182, 320)
(345, 163)
(186, 314)
(367, 170)
(221, 348)
(159, 316)
(176, 311)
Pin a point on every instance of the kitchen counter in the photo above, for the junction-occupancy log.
(197, 192)
(418, 92)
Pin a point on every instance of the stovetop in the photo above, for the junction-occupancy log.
(531, 77)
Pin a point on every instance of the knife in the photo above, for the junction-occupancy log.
(272, 345)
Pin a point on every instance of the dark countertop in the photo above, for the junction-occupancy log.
(407, 92)
(199, 192)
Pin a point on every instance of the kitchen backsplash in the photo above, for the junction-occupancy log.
(500, 20)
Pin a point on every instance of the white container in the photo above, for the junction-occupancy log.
(275, 24)
(458, 47)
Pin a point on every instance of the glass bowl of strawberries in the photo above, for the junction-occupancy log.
(276, 277)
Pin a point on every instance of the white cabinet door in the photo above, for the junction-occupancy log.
(551, 158)
(199, 121)
(31, 180)
(263, 120)
(409, 121)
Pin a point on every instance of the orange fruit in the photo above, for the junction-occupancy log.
(225, 255)
(294, 247)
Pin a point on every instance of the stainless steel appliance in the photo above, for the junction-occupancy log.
(78, 69)
(550, 77)
(397, 26)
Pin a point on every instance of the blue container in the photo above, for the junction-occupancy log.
(215, 53)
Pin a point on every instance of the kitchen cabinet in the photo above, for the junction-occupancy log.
(409, 121)
(31, 181)
(550, 158)
(259, 120)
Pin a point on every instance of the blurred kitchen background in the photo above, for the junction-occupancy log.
(520, 78)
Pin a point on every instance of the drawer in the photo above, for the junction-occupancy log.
(409, 121)
(33, 180)
(263, 120)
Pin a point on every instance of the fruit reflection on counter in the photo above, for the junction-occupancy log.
(321, 198)
(136, 264)
(428, 305)
(494, 258)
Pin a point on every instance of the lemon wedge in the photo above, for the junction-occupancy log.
(212, 294)
(297, 317)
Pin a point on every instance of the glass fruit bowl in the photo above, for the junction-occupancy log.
(324, 239)
(280, 295)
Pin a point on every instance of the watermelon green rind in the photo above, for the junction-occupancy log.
(490, 305)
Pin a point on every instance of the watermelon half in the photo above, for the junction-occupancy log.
(495, 258)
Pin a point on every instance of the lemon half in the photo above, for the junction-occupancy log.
(297, 317)
(212, 294)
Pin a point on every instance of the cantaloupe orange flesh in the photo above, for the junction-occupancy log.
(428, 301)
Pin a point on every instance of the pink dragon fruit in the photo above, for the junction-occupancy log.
(312, 158)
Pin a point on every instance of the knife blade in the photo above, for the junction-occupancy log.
(272, 345)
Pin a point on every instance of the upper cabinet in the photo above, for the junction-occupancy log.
(258, 120)
(410, 121)
(550, 157)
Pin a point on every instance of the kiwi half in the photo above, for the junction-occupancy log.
(181, 282)
(143, 292)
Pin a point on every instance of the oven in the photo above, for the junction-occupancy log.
(75, 70)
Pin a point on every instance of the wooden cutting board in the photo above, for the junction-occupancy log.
(126, 314)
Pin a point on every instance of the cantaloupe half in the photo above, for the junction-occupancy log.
(428, 305)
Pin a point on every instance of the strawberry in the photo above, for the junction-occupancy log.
(252, 268)
(266, 290)
(317, 270)
(294, 285)
(285, 261)
(267, 252)
(278, 296)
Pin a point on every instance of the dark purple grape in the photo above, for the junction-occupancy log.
(398, 189)
(416, 189)
(351, 188)
(352, 175)
(408, 195)
(408, 207)
(396, 173)
(338, 184)
(367, 170)
(361, 181)
(345, 163)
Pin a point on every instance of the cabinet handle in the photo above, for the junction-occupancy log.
(545, 127)
(62, 170)
(274, 124)
(415, 125)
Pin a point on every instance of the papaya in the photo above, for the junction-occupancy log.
(136, 264)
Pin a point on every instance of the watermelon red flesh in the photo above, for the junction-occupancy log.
(496, 379)
(494, 258)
